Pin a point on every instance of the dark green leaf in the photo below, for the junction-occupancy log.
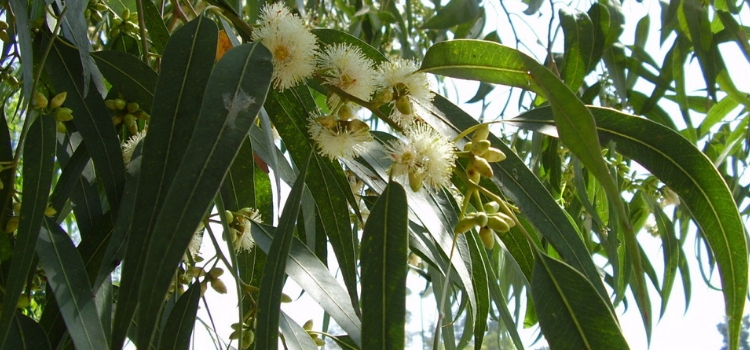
(179, 326)
(736, 32)
(578, 30)
(704, 45)
(129, 75)
(185, 68)
(273, 279)
(571, 313)
(295, 337)
(66, 275)
(309, 273)
(21, 16)
(479, 277)
(689, 173)
(7, 177)
(26, 334)
(234, 94)
(383, 263)
(157, 31)
(482, 92)
(454, 13)
(38, 156)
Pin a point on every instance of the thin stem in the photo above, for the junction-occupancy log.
(142, 25)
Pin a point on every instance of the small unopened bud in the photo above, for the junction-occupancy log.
(480, 147)
(110, 104)
(230, 217)
(132, 107)
(494, 155)
(117, 120)
(496, 223)
(308, 325)
(487, 236)
(508, 220)
(40, 100)
(465, 224)
(355, 125)
(248, 337)
(491, 207)
(285, 298)
(468, 146)
(481, 218)
(50, 212)
(195, 271)
(58, 100)
(61, 128)
(482, 167)
(403, 104)
(141, 115)
(415, 181)
(64, 114)
(4, 36)
(319, 342)
(218, 286)
(120, 104)
(125, 13)
(216, 272)
(481, 133)
(326, 121)
(383, 96)
(346, 112)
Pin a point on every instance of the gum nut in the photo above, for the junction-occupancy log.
(120, 104)
(497, 224)
(132, 107)
(494, 155)
(481, 133)
(480, 148)
(491, 207)
(487, 236)
(465, 225)
(403, 104)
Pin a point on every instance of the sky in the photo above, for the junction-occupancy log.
(677, 329)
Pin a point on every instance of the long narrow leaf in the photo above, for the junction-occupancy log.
(272, 283)
(384, 253)
(39, 153)
(234, 94)
(179, 327)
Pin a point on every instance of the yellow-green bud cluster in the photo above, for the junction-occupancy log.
(308, 326)
(94, 11)
(4, 32)
(490, 222)
(127, 23)
(54, 107)
(481, 154)
(127, 113)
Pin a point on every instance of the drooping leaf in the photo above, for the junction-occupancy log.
(234, 94)
(571, 313)
(295, 337)
(23, 30)
(38, 155)
(25, 334)
(179, 326)
(578, 30)
(690, 174)
(273, 280)
(66, 275)
(185, 68)
(454, 13)
(157, 31)
(309, 273)
(383, 263)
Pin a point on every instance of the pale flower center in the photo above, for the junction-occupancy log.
(281, 53)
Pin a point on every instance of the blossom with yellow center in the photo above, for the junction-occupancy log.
(346, 67)
(291, 43)
(425, 157)
(339, 138)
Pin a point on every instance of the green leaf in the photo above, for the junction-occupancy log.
(64, 70)
(66, 275)
(21, 16)
(309, 273)
(736, 32)
(689, 173)
(129, 75)
(38, 164)
(234, 94)
(157, 31)
(273, 280)
(704, 45)
(571, 313)
(179, 326)
(454, 13)
(185, 69)
(7, 177)
(331, 36)
(383, 263)
(481, 288)
(578, 30)
(25, 334)
(490, 62)
(295, 337)
(290, 112)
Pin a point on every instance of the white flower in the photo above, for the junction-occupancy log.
(129, 146)
(242, 239)
(401, 78)
(290, 42)
(194, 246)
(426, 157)
(344, 139)
(346, 67)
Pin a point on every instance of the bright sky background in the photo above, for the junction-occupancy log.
(695, 329)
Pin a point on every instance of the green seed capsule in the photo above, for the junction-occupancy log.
(487, 236)
(493, 155)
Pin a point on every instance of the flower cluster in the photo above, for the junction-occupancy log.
(401, 84)
(240, 223)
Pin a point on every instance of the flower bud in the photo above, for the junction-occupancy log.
(465, 224)
(326, 121)
(49, 212)
(58, 100)
(415, 181)
(4, 36)
(96, 16)
(218, 286)
(125, 13)
(248, 337)
(482, 167)
(487, 236)
(110, 104)
(64, 114)
(230, 217)
(481, 133)
(403, 104)
(3, 25)
(132, 107)
(383, 96)
(11, 225)
(216, 272)
(494, 155)
(473, 174)
(491, 207)
(308, 325)
(117, 120)
(355, 125)
(285, 298)
(40, 100)
(480, 147)
(496, 223)
(481, 218)
(468, 146)
(508, 220)
(195, 271)
(141, 115)
(120, 104)
(346, 112)
(61, 128)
